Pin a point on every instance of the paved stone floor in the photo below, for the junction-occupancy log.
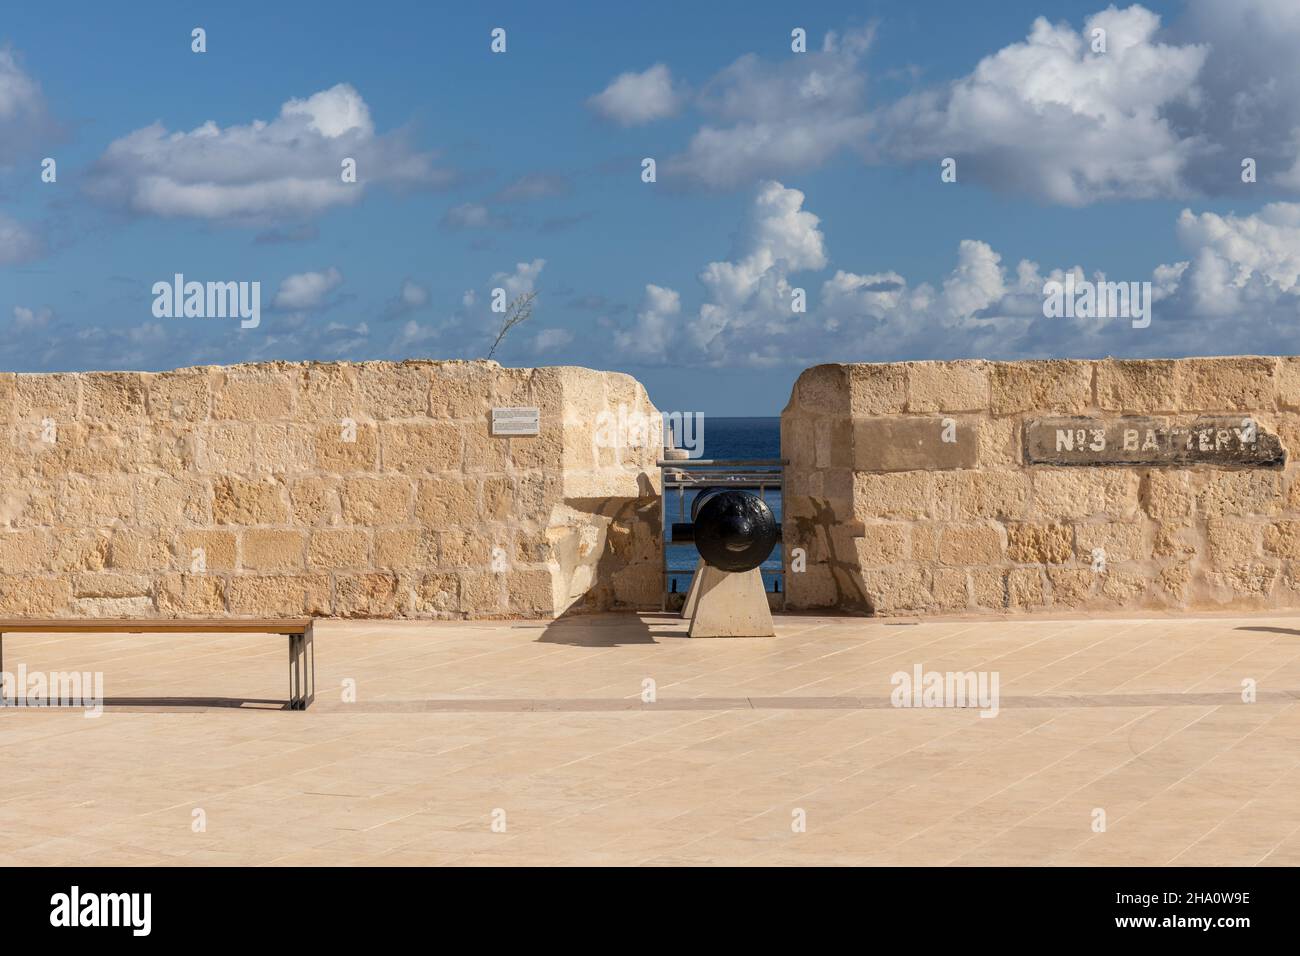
(457, 726)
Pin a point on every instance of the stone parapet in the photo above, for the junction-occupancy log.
(972, 486)
(351, 490)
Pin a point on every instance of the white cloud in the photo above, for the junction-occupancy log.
(548, 340)
(1238, 292)
(289, 167)
(632, 99)
(26, 319)
(306, 290)
(1050, 117)
(24, 117)
(521, 281)
(471, 215)
(413, 294)
(1166, 111)
(776, 119)
(655, 332)
(18, 243)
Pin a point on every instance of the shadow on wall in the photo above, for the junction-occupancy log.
(609, 555)
(818, 529)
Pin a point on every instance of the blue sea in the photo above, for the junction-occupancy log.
(746, 438)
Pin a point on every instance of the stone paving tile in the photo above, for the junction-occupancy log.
(786, 751)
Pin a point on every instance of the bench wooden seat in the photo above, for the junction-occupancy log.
(302, 655)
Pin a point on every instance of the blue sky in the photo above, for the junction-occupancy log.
(776, 170)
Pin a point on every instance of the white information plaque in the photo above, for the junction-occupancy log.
(516, 421)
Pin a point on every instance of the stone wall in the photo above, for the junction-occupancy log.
(912, 488)
(372, 489)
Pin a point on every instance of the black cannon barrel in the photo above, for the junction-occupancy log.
(701, 496)
(734, 530)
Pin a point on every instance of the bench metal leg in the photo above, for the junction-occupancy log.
(302, 670)
(293, 671)
(308, 667)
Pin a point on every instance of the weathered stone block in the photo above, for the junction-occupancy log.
(365, 595)
(947, 386)
(1085, 492)
(1140, 387)
(406, 548)
(881, 543)
(822, 390)
(1117, 541)
(897, 590)
(970, 544)
(1219, 384)
(183, 396)
(1034, 543)
(1235, 542)
(899, 495)
(272, 550)
(436, 593)
(376, 501)
(1166, 495)
(166, 502)
(249, 501)
(338, 548)
(254, 395)
(201, 552)
(962, 495)
(388, 391)
(314, 502)
(27, 596)
(877, 389)
(288, 595)
(179, 595)
(1025, 588)
(112, 395)
(913, 444)
(1239, 493)
(346, 446)
(420, 447)
(1053, 386)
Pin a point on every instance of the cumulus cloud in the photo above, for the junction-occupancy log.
(18, 243)
(1054, 118)
(306, 290)
(411, 297)
(520, 281)
(632, 99)
(1237, 291)
(289, 167)
(745, 295)
(26, 319)
(24, 115)
(1167, 110)
(655, 333)
(772, 119)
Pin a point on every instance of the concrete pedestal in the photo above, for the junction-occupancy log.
(693, 592)
(729, 605)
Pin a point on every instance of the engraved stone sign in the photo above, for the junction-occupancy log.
(516, 421)
(1223, 440)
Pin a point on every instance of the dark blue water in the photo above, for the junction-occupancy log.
(747, 438)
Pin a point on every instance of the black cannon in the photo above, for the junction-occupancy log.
(734, 531)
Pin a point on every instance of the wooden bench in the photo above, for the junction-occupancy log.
(302, 656)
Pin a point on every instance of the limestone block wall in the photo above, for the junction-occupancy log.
(371, 489)
(911, 488)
